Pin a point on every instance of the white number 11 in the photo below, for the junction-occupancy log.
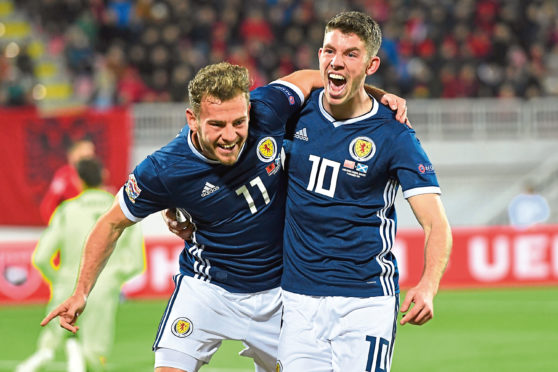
(244, 191)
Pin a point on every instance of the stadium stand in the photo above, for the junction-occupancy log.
(124, 51)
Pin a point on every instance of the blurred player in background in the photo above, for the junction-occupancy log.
(528, 208)
(66, 233)
(347, 160)
(66, 182)
(228, 286)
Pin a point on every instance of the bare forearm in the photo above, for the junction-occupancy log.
(305, 80)
(98, 248)
(438, 242)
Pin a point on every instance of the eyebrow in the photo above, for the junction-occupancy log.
(215, 121)
(329, 46)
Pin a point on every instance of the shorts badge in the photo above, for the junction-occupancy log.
(267, 149)
(362, 148)
(132, 188)
(182, 327)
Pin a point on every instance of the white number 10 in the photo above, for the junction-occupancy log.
(244, 191)
(317, 183)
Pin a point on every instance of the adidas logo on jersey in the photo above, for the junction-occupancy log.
(208, 189)
(301, 135)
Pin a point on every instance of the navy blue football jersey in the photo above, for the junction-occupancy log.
(340, 216)
(238, 210)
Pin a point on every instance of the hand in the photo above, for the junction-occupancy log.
(182, 229)
(68, 312)
(423, 308)
(397, 103)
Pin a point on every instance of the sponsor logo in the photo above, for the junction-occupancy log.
(291, 100)
(301, 135)
(267, 149)
(425, 168)
(209, 189)
(362, 149)
(132, 188)
(182, 327)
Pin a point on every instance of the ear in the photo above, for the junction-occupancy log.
(373, 65)
(192, 121)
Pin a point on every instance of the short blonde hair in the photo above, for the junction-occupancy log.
(221, 80)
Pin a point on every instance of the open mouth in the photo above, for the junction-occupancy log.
(336, 83)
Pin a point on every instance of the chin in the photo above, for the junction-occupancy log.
(228, 161)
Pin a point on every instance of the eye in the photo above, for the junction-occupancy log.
(239, 122)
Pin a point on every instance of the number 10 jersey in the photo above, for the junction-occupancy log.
(340, 217)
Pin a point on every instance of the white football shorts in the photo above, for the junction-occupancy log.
(200, 315)
(331, 333)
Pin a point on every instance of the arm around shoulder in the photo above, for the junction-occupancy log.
(305, 80)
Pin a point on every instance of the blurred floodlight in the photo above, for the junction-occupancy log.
(39, 92)
(12, 50)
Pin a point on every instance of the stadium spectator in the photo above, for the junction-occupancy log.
(66, 234)
(478, 33)
(66, 183)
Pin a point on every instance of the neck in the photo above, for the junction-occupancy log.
(195, 142)
(358, 105)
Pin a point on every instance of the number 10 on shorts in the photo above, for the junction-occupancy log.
(378, 354)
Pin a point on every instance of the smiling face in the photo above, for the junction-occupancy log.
(221, 128)
(344, 64)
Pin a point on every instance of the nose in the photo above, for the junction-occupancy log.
(336, 61)
(229, 133)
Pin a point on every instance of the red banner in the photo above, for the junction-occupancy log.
(34, 147)
(481, 257)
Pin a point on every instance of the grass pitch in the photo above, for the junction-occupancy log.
(481, 330)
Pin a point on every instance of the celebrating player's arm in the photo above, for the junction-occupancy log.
(98, 248)
(306, 80)
(431, 215)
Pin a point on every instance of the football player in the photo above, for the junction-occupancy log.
(347, 161)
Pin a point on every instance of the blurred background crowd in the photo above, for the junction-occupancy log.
(122, 51)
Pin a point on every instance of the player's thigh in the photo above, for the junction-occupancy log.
(262, 339)
(302, 347)
(366, 336)
(168, 360)
(197, 319)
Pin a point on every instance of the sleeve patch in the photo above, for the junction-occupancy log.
(132, 188)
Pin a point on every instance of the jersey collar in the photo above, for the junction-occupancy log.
(337, 123)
